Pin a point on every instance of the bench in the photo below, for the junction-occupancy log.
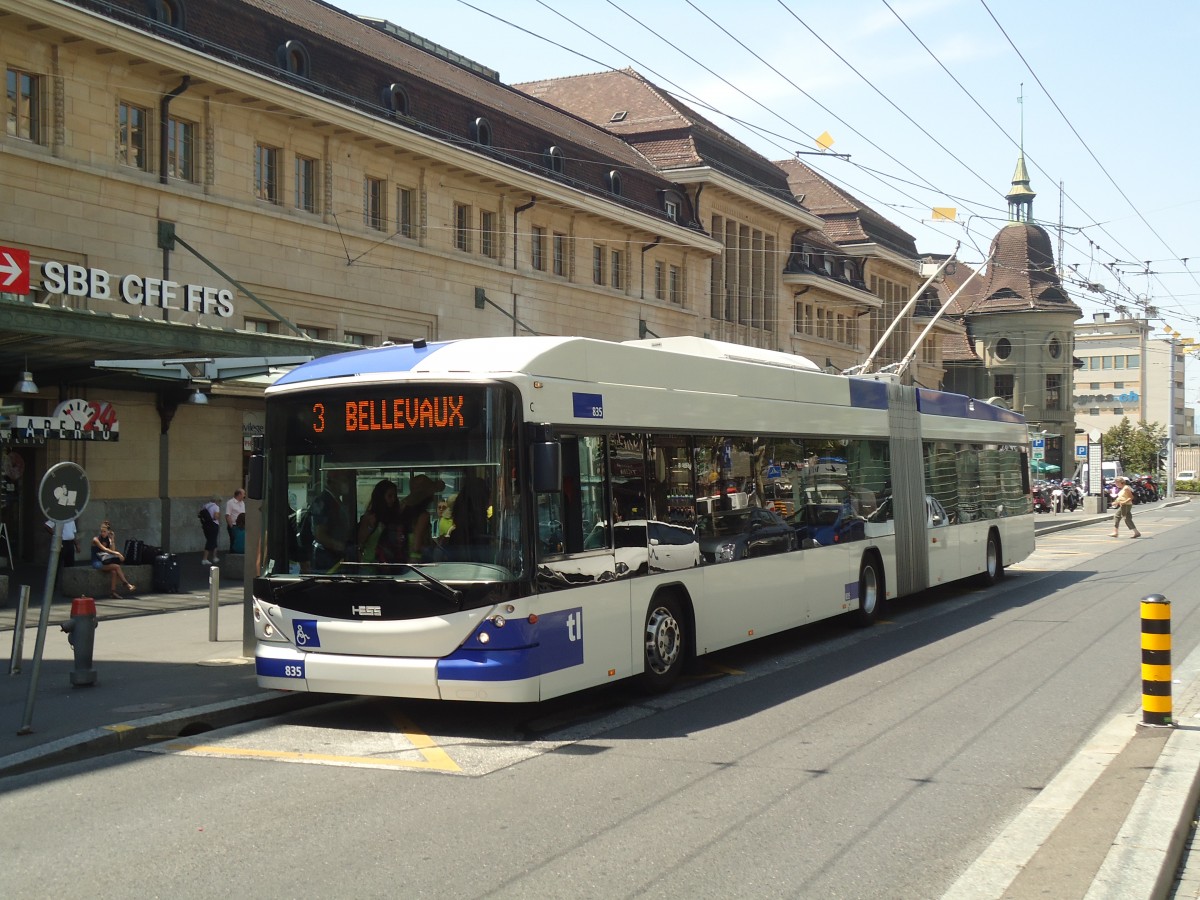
(232, 566)
(84, 581)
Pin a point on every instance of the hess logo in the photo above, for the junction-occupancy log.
(366, 610)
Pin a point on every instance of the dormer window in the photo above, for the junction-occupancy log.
(613, 182)
(556, 160)
(672, 204)
(395, 98)
(168, 12)
(481, 132)
(293, 58)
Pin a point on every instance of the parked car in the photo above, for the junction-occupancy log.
(738, 533)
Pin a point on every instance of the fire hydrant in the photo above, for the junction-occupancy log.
(81, 633)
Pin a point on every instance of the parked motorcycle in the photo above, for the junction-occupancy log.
(1041, 498)
(1072, 495)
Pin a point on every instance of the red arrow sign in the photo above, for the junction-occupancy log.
(14, 270)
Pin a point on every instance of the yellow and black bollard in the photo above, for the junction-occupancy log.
(1156, 660)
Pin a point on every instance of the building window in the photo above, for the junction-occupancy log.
(359, 340)
(312, 331)
(488, 242)
(615, 269)
(181, 149)
(260, 326)
(556, 160)
(266, 173)
(676, 285)
(1003, 348)
(538, 248)
(560, 254)
(672, 210)
(395, 98)
(1053, 392)
(462, 227)
(1094, 411)
(481, 132)
(375, 203)
(406, 211)
(169, 12)
(598, 264)
(612, 181)
(133, 123)
(1133, 362)
(306, 183)
(1004, 388)
(24, 106)
(293, 58)
(660, 282)
(1055, 348)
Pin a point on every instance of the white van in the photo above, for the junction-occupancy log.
(1110, 469)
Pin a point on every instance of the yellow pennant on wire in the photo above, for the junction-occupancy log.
(825, 141)
(949, 213)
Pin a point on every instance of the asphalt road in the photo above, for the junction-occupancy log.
(823, 763)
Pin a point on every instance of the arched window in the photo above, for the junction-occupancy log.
(556, 160)
(481, 132)
(395, 98)
(292, 57)
(1055, 348)
(168, 12)
(613, 182)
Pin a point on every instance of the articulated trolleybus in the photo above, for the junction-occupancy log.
(514, 519)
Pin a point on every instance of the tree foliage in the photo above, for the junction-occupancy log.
(1135, 448)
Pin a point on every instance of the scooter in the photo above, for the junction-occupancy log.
(1041, 500)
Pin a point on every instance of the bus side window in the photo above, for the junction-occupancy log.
(568, 522)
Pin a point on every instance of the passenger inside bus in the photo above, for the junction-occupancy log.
(470, 540)
(332, 514)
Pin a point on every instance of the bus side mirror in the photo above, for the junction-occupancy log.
(547, 467)
(254, 477)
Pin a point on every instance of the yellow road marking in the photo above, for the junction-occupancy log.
(433, 757)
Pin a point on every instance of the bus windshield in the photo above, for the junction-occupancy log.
(375, 481)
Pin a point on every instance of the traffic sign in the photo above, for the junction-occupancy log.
(14, 270)
(64, 491)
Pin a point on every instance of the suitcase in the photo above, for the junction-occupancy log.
(166, 573)
(148, 555)
(133, 552)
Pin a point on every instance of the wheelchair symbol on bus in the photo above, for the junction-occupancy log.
(305, 632)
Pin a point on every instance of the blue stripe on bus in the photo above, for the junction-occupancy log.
(939, 403)
(868, 394)
(279, 668)
(558, 644)
(402, 358)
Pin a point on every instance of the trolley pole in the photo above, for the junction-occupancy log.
(1156, 661)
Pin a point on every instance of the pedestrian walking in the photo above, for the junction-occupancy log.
(1123, 507)
(70, 541)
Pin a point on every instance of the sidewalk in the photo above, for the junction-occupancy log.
(157, 672)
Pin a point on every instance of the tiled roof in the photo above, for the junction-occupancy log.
(341, 27)
(625, 103)
(1021, 274)
(847, 219)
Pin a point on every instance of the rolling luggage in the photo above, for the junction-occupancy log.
(166, 573)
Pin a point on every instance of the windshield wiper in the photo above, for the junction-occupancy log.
(446, 591)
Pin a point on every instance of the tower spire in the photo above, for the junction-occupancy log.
(1020, 196)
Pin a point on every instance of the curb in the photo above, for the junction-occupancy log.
(179, 723)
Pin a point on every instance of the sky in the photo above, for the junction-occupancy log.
(930, 100)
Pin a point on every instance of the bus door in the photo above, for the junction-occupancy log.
(581, 574)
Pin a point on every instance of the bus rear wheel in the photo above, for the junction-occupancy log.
(870, 591)
(993, 561)
(665, 643)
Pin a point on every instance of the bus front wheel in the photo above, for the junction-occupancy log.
(870, 591)
(665, 642)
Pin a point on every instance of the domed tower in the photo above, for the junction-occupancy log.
(1021, 325)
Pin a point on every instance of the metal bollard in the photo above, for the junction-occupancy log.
(18, 641)
(81, 633)
(1156, 660)
(214, 599)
